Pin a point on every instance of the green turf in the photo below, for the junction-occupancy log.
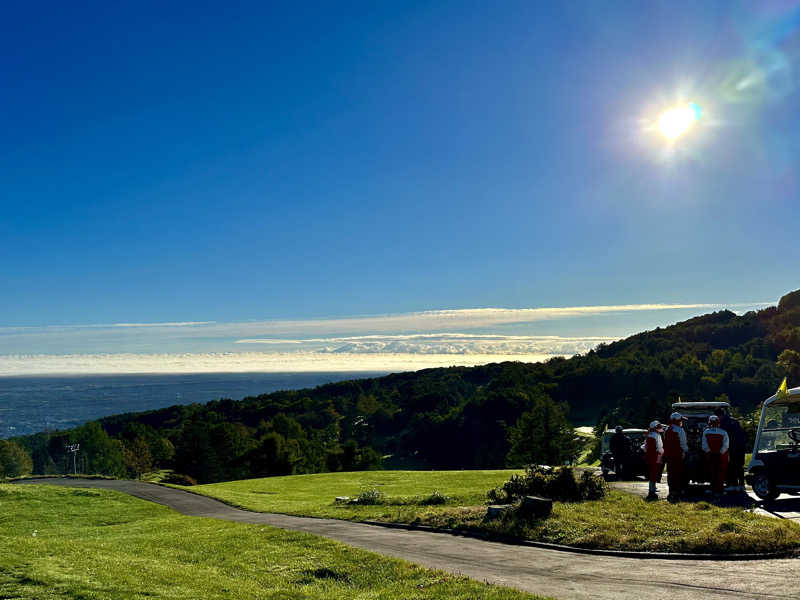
(76, 543)
(621, 521)
(314, 495)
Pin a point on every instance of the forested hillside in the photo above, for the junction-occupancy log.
(458, 417)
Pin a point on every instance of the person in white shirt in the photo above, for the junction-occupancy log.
(654, 452)
(715, 445)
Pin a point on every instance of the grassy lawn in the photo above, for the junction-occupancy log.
(620, 521)
(313, 495)
(78, 543)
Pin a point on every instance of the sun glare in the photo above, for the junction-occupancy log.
(677, 121)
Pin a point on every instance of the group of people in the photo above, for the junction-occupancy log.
(723, 444)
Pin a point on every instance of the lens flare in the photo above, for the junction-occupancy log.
(676, 121)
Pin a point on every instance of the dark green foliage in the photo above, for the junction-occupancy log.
(542, 435)
(557, 484)
(179, 479)
(99, 453)
(14, 460)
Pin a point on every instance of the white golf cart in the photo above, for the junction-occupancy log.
(775, 465)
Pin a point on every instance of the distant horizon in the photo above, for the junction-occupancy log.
(376, 343)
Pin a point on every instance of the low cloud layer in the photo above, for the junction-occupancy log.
(439, 343)
(244, 362)
(362, 343)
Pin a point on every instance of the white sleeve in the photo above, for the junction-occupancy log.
(682, 436)
(705, 443)
(725, 442)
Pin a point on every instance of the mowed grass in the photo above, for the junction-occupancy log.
(621, 521)
(78, 543)
(314, 495)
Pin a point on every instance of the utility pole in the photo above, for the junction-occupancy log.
(74, 449)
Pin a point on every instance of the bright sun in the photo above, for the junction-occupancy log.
(677, 121)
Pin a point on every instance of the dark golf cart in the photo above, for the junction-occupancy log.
(775, 465)
(695, 415)
(634, 464)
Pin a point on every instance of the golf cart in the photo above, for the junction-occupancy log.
(695, 415)
(634, 464)
(775, 465)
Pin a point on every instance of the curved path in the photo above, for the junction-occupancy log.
(561, 575)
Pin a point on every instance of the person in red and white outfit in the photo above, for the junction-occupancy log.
(715, 445)
(675, 451)
(654, 453)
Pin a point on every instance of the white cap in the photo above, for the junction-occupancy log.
(713, 419)
(676, 416)
(655, 425)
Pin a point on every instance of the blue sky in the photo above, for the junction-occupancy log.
(233, 162)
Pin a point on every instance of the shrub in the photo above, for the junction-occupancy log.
(591, 486)
(557, 484)
(179, 479)
(436, 497)
(370, 497)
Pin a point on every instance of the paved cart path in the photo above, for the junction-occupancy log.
(562, 575)
(784, 507)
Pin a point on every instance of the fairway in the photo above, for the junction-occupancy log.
(86, 543)
(314, 495)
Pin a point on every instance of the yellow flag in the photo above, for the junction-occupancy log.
(783, 389)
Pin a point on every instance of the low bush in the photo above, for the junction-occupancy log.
(558, 483)
(371, 496)
(179, 479)
(435, 498)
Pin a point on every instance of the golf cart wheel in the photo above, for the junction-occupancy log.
(763, 487)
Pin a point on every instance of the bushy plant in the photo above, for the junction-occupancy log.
(591, 486)
(370, 497)
(436, 497)
(557, 484)
(179, 479)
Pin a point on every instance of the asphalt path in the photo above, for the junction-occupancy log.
(783, 507)
(561, 575)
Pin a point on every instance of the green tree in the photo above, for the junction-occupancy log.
(137, 456)
(789, 363)
(103, 455)
(542, 435)
(14, 460)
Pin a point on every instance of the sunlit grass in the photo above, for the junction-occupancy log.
(77, 543)
(314, 495)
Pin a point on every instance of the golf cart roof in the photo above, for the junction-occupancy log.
(609, 432)
(629, 430)
(792, 396)
(677, 405)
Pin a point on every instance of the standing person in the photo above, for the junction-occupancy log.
(654, 452)
(715, 445)
(618, 445)
(675, 451)
(736, 438)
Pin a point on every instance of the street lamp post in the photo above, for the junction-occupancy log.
(73, 448)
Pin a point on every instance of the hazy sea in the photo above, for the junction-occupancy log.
(31, 404)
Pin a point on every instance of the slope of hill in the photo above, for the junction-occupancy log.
(452, 417)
